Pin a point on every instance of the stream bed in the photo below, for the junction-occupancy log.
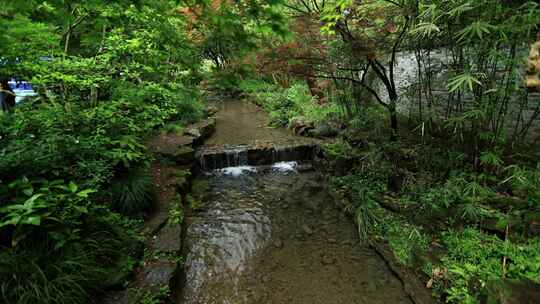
(272, 234)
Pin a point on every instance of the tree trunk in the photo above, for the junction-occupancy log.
(393, 121)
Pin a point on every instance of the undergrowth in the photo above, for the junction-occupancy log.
(285, 104)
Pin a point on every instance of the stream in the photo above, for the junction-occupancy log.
(272, 234)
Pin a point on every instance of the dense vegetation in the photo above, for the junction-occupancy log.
(106, 74)
(441, 160)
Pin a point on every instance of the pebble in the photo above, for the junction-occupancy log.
(265, 278)
(278, 243)
(307, 229)
(328, 259)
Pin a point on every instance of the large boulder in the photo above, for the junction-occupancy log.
(168, 239)
(324, 130)
(184, 155)
(301, 125)
(156, 274)
(210, 110)
(201, 130)
(174, 148)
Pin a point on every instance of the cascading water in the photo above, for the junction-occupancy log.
(224, 158)
(267, 231)
(238, 156)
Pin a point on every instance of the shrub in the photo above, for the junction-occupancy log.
(132, 193)
(38, 271)
(283, 104)
(475, 258)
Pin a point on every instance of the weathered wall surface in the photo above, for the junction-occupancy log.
(408, 83)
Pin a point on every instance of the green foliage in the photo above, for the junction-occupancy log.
(132, 193)
(463, 81)
(361, 189)
(406, 240)
(174, 127)
(54, 206)
(486, 38)
(176, 211)
(475, 258)
(339, 149)
(284, 104)
(107, 74)
(147, 296)
(38, 270)
(524, 182)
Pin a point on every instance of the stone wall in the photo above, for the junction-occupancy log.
(407, 84)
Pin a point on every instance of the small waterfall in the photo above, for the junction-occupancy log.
(236, 156)
(212, 158)
(285, 167)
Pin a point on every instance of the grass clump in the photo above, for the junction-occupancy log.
(133, 193)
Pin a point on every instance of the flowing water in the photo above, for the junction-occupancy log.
(273, 235)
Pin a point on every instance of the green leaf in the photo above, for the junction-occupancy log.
(73, 187)
(85, 193)
(463, 81)
(28, 191)
(32, 220)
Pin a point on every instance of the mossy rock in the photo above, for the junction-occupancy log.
(168, 239)
(200, 189)
(210, 110)
(184, 155)
(201, 130)
(508, 291)
(180, 179)
(157, 274)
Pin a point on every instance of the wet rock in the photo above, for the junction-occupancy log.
(370, 286)
(210, 110)
(348, 243)
(304, 168)
(168, 239)
(167, 145)
(156, 274)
